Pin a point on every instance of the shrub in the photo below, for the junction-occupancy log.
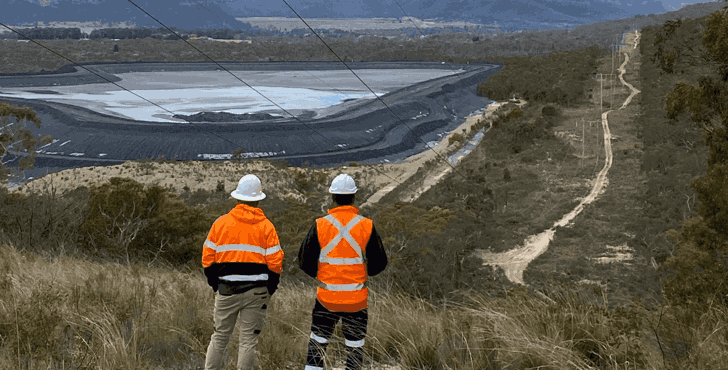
(309, 180)
(455, 138)
(131, 222)
(549, 111)
(41, 222)
(515, 113)
(279, 164)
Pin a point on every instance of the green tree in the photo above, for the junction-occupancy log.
(119, 211)
(13, 131)
(700, 266)
(131, 222)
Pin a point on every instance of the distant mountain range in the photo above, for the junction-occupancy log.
(182, 14)
(189, 14)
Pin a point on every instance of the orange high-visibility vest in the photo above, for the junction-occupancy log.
(342, 272)
(243, 235)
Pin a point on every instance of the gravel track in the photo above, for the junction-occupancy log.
(515, 261)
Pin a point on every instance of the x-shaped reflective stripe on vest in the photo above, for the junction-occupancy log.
(343, 234)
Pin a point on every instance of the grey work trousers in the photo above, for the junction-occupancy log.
(248, 309)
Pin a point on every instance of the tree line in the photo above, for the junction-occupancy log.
(556, 78)
(699, 265)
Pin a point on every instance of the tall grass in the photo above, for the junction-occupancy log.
(67, 313)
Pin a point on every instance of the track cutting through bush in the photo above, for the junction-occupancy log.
(515, 261)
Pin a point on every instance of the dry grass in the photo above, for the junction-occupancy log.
(69, 313)
(181, 176)
(586, 250)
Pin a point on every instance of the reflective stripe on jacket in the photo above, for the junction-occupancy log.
(343, 236)
(243, 246)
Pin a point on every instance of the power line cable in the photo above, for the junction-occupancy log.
(306, 71)
(239, 79)
(228, 71)
(370, 89)
(309, 73)
(115, 84)
(430, 43)
(565, 156)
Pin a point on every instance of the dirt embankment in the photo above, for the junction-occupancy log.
(375, 181)
(439, 152)
(365, 132)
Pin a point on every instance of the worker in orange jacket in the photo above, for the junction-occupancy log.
(341, 250)
(242, 259)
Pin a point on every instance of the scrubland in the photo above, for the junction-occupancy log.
(77, 292)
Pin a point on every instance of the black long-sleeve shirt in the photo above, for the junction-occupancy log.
(375, 257)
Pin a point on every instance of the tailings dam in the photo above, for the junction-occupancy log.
(338, 119)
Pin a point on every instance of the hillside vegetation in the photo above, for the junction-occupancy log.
(107, 275)
(458, 47)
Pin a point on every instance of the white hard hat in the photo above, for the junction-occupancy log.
(343, 184)
(249, 189)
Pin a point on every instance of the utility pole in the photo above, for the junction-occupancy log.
(613, 57)
(582, 142)
(597, 137)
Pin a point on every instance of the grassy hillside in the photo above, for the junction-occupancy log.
(75, 314)
(76, 294)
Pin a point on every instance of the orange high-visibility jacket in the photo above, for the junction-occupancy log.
(343, 236)
(242, 247)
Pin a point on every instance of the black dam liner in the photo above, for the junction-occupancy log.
(366, 132)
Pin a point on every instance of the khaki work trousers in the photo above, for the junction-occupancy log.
(248, 309)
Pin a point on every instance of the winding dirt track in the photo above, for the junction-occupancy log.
(515, 261)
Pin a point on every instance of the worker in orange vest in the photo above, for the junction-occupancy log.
(242, 258)
(341, 251)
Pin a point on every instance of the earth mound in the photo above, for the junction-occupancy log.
(224, 117)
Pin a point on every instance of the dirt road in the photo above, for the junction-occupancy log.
(515, 261)
(404, 170)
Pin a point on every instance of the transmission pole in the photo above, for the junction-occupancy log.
(601, 93)
(612, 57)
(582, 141)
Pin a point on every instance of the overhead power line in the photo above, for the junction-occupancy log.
(246, 84)
(115, 84)
(226, 70)
(370, 89)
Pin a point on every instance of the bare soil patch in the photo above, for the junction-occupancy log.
(600, 246)
(515, 261)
